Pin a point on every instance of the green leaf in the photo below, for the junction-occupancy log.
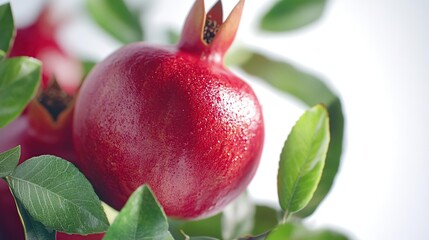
(205, 227)
(2, 55)
(266, 218)
(332, 162)
(56, 194)
(8, 161)
(7, 27)
(141, 218)
(311, 91)
(33, 230)
(117, 19)
(286, 15)
(288, 79)
(235, 220)
(237, 217)
(19, 80)
(203, 238)
(302, 159)
(297, 231)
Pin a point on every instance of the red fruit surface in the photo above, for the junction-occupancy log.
(172, 117)
(64, 236)
(10, 224)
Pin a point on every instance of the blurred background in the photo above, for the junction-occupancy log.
(373, 54)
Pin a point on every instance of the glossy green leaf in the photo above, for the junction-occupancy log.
(7, 27)
(141, 218)
(56, 194)
(117, 19)
(33, 230)
(238, 217)
(286, 15)
(302, 159)
(8, 161)
(332, 162)
(19, 80)
(311, 91)
(296, 231)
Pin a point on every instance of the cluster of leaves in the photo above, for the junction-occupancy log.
(52, 195)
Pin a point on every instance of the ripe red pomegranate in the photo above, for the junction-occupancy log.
(45, 129)
(38, 40)
(172, 117)
(46, 126)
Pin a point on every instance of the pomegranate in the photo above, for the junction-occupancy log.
(172, 117)
(45, 129)
(38, 40)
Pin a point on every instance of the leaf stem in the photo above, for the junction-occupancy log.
(287, 215)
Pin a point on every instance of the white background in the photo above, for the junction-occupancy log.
(375, 55)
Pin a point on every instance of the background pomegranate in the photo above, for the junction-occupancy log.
(38, 40)
(45, 128)
(172, 117)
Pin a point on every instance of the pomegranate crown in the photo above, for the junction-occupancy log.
(50, 114)
(207, 34)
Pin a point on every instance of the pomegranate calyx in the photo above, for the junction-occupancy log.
(54, 99)
(50, 114)
(207, 34)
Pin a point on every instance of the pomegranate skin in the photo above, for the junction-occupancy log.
(34, 143)
(64, 236)
(10, 223)
(187, 127)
